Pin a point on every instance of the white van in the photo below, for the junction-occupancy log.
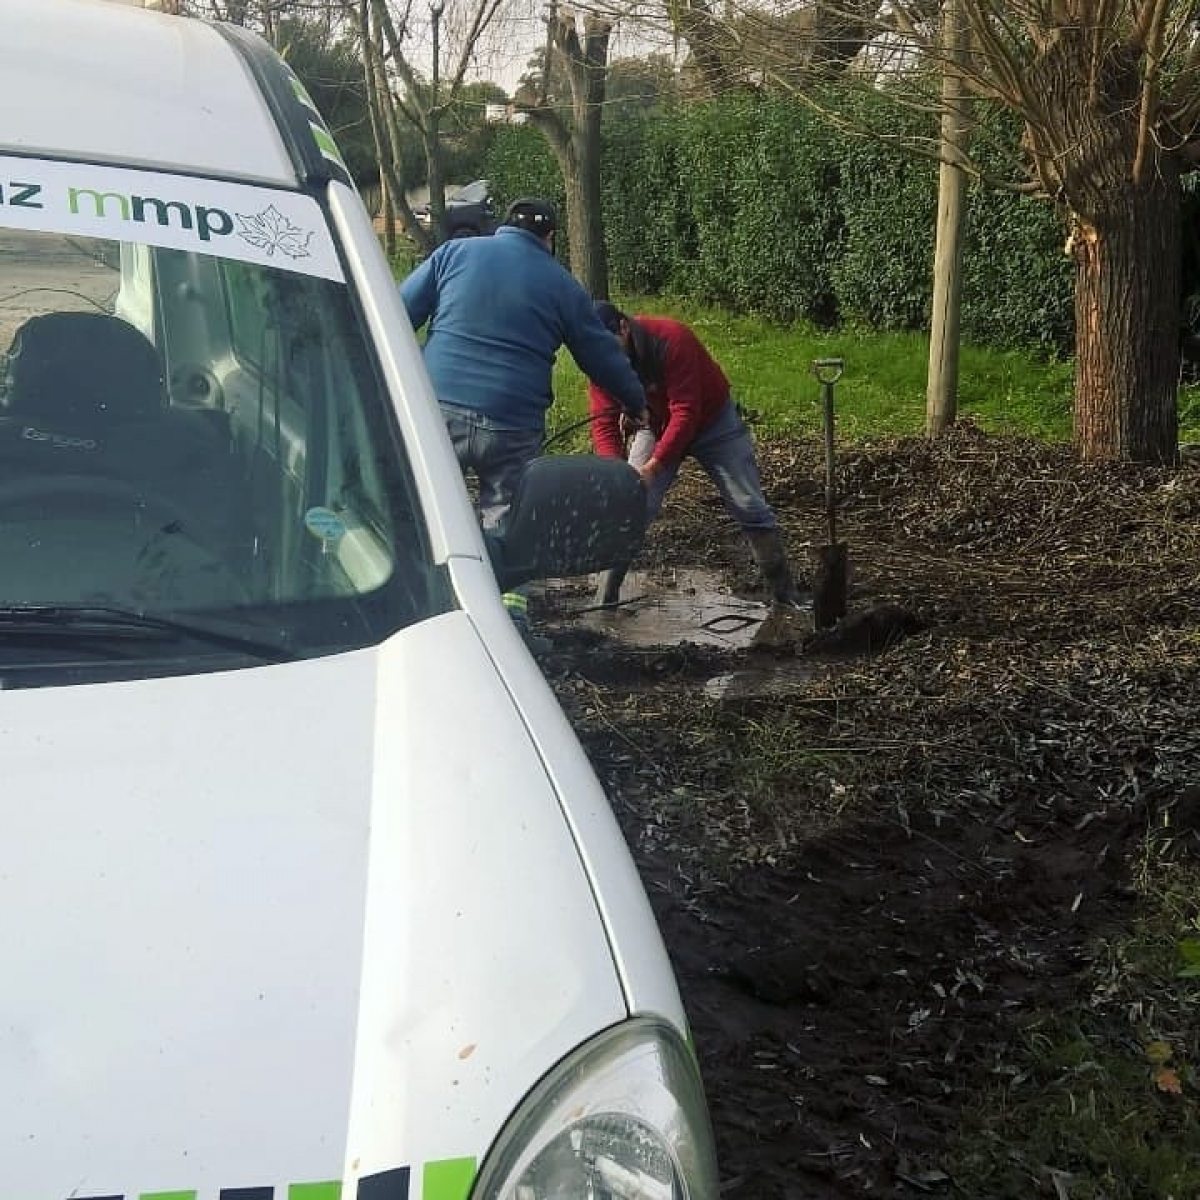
(307, 890)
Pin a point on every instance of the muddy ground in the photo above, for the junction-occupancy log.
(908, 841)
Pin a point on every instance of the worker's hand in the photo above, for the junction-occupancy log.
(648, 470)
(630, 424)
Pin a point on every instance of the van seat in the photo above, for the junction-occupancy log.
(86, 396)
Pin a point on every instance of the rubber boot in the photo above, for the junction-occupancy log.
(772, 559)
(608, 591)
(517, 604)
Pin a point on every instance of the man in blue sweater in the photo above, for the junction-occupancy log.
(499, 309)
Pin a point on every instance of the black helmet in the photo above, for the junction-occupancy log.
(534, 213)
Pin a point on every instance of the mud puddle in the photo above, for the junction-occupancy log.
(782, 679)
(670, 608)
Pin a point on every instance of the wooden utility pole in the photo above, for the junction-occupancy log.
(941, 397)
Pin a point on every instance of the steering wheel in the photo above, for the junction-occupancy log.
(90, 488)
(88, 492)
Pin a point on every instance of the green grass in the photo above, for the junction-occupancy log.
(881, 392)
(1104, 1093)
(406, 259)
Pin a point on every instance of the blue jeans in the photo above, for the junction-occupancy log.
(726, 452)
(496, 455)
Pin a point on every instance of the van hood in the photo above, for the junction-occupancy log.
(277, 928)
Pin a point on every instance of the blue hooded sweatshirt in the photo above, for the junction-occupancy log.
(499, 308)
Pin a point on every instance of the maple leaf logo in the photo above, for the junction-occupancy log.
(270, 230)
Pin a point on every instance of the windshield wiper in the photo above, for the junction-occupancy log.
(112, 621)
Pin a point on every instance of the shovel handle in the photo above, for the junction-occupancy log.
(828, 370)
(830, 476)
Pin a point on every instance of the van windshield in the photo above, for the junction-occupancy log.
(196, 460)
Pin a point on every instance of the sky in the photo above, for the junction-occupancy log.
(502, 55)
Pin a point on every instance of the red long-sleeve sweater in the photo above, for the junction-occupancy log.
(682, 403)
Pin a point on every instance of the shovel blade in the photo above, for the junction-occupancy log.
(830, 584)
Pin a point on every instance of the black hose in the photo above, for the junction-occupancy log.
(559, 434)
(562, 433)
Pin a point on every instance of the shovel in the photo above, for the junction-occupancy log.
(831, 566)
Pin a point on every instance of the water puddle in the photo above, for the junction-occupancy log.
(668, 608)
(676, 607)
(690, 605)
(776, 681)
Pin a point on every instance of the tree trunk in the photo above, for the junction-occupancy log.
(374, 24)
(576, 146)
(589, 259)
(432, 135)
(709, 39)
(1127, 285)
(587, 71)
(388, 210)
(1122, 188)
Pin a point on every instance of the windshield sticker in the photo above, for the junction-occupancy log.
(325, 524)
(238, 221)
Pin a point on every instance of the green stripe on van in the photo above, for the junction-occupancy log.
(315, 1191)
(166, 1196)
(447, 1179)
(326, 143)
(301, 91)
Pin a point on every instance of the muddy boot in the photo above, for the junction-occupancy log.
(608, 591)
(772, 559)
(517, 605)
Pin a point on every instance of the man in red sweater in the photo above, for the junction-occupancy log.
(689, 411)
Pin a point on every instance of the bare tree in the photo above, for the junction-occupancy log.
(381, 105)
(1108, 92)
(741, 46)
(1110, 95)
(577, 46)
(396, 38)
(380, 33)
(259, 14)
(417, 56)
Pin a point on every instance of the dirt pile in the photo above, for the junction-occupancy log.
(878, 868)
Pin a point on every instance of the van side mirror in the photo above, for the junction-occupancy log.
(572, 514)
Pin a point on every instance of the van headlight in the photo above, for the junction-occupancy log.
(622, 1118)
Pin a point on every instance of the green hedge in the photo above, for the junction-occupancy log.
(882, 273)
(761, 197)
(649, 231)
(520, 163)
(758, 205)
